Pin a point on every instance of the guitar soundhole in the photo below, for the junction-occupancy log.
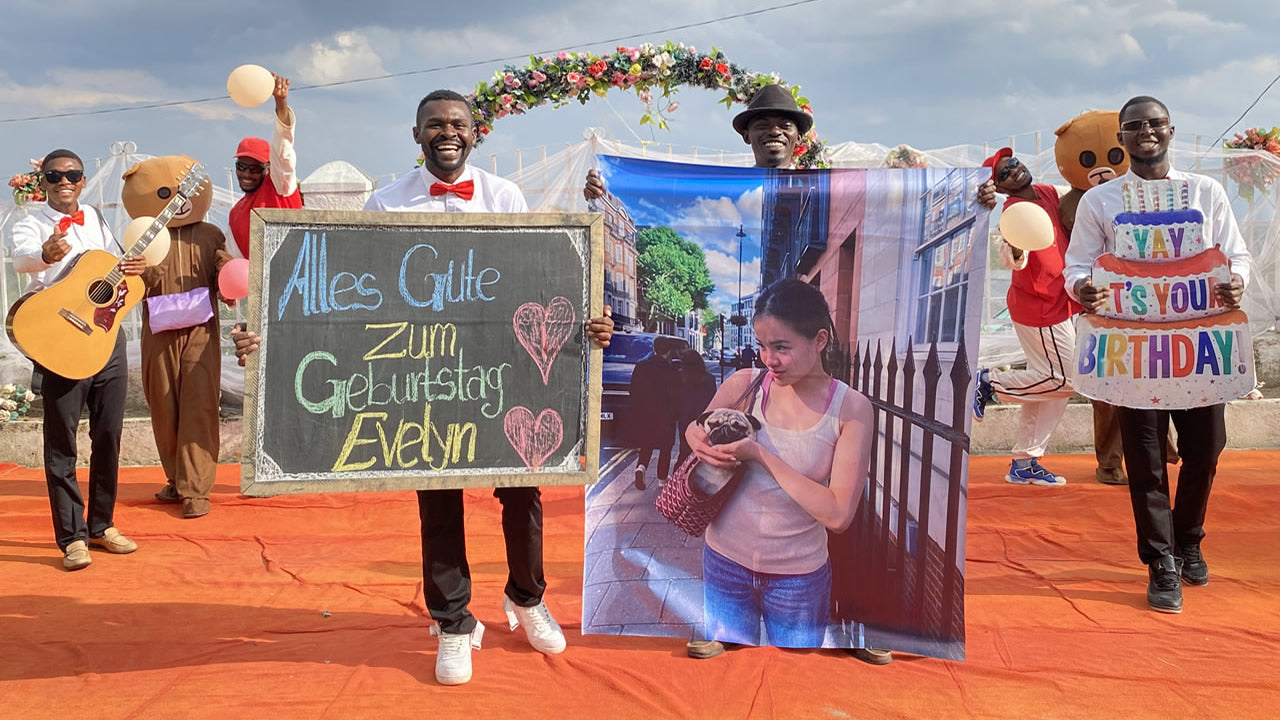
(101, 292)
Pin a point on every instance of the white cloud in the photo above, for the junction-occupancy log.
(348, 55)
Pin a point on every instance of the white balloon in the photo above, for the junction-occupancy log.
(250, 85)
(156, 251)
(1026, 226)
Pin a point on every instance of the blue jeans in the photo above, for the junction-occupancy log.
(795, 608)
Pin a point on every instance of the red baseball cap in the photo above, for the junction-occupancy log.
(255, 148)
(991, 162)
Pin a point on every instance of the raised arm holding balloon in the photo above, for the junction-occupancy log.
(256, 159)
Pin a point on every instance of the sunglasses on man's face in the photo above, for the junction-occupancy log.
(1136, 125)
(1009, 166)
(250, 167)
(53, 177)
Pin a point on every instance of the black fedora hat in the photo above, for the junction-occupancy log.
(775, 100)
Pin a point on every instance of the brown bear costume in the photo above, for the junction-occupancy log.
(181, 368)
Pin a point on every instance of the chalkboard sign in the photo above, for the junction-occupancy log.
(421, 350)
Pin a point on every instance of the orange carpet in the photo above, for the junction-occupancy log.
(311, 607)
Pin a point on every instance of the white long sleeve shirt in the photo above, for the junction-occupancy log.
(411, 193)
(1094, 231)
(31, 232)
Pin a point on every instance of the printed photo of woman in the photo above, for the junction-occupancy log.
(765, 558)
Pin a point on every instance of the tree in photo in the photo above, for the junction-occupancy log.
(672, 275)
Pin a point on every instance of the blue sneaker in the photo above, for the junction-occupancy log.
(983, 394)
(1033, 474)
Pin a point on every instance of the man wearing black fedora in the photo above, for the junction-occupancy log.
(772, 124)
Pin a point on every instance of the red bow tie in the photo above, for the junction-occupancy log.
(464, 189)
(67, 221)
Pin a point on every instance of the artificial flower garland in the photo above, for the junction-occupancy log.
(645, 69)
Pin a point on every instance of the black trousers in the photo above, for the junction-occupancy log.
(446, 577)
(1202, 434)
(664, 459)
(64, 400)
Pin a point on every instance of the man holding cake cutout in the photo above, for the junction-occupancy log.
(1169, 535)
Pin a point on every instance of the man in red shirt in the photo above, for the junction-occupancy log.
(256, 159)
(1043, 318)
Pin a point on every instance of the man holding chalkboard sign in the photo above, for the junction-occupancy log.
(1168, 535)
(445, 129)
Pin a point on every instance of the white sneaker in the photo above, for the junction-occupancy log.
(453, 657)
(543, 631)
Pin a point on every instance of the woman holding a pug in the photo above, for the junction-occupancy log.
(804, 472)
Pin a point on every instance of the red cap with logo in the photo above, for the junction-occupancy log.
(992, 161)
(255, 148)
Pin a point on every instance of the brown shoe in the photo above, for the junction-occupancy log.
(1111, 477)
(113, 542)
(873, 657)
(76, 556)
(703, 649)
(169, 494)
(195, 507)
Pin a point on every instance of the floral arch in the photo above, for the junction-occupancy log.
(647, 69)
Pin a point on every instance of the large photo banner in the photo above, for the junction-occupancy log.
(899, 255)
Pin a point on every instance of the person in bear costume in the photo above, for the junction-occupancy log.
(182, 366)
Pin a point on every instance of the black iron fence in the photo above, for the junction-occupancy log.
(888, 571)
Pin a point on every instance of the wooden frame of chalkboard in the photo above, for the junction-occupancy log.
(421, 351)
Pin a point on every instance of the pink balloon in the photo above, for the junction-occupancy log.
(233, 279)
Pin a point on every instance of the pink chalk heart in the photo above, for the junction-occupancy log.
(534, 440)
(543, 331)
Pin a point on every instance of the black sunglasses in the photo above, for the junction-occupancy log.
(1136, 125)
(1009, 166)
(53, 177)
(250, 167)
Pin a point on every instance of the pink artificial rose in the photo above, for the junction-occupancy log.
(506, 100)
(562, 55)
(510, 80)
(705, 64)
(672, 107)
(573, 78)
(618, 78)
(539, 76)
(597, 68)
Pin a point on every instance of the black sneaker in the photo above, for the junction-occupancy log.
(1194, 569)
(1164, 591)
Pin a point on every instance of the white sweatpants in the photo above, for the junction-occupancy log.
(1043, 388)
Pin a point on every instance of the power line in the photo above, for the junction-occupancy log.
(1256, 100)
(407, 73)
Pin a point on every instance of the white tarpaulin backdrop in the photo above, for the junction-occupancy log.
(553, 182)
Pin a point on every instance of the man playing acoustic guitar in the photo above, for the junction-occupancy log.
(45, 243)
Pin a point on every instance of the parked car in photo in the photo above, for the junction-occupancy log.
(620, 358)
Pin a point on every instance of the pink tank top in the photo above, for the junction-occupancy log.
(760, 527)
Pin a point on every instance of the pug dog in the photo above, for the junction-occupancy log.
(723, 426)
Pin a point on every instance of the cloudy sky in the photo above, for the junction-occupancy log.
(706, 209)
(929, 73)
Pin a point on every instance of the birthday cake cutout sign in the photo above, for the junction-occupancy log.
(1163, 338)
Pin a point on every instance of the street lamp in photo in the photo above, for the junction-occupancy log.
(738, 319)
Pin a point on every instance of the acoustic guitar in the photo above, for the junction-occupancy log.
(70, 327)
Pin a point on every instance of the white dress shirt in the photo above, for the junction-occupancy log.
(31, 232)
(411, 193)
(1094, 232)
